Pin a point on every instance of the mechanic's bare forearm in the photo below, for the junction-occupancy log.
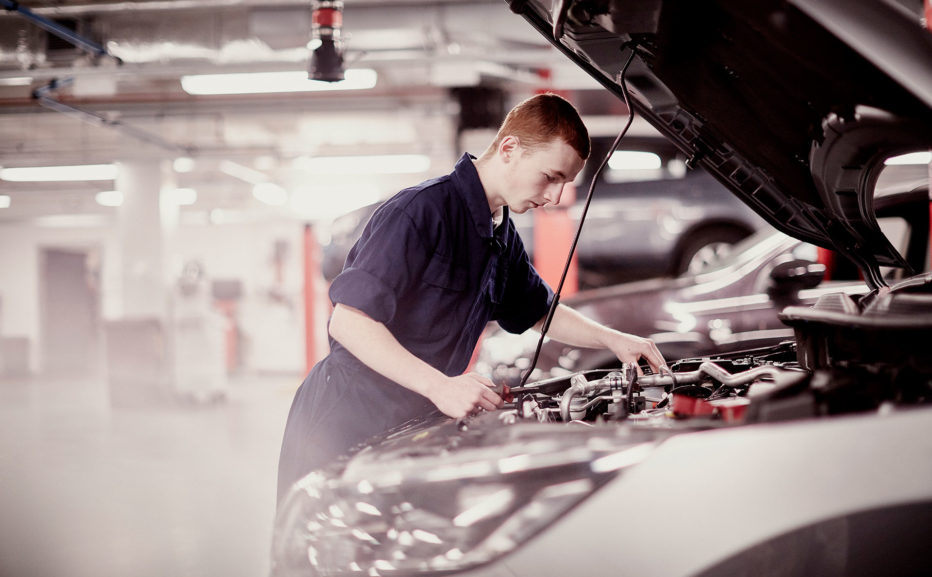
(571, 327)
(575, 329)
(373, 344)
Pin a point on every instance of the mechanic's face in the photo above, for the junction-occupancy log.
(537, 176)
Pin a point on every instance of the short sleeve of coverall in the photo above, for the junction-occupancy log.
(380, 268)
(527, 297)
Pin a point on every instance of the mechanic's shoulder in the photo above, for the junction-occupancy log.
(428, 198)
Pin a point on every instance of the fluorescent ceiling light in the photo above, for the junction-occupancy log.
(634, 160)
(5, 201)
(243, 173)
(59, 173)
(109, 198)
(263, 82)
(16, 81)
(183, 196)
(909, 159)
(270, 193)
(72, 221)
(183, 164)
(379, 164)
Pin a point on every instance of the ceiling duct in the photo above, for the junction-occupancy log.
(173, 35)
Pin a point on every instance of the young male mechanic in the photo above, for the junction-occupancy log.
(435, 263)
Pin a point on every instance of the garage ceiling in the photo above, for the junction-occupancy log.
(131, 106)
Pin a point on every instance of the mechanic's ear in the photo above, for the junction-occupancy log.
(508, 146)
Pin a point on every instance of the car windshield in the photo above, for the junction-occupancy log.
(758, 243)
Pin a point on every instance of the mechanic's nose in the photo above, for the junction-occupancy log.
(553, 195)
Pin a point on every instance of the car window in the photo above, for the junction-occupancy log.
(640, 165)
(806, 251)
(635, 160)
(905, 223)
(759, 242)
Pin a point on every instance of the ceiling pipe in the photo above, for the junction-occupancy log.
(43, 93)
(57, 29)
(176, 5)
(43, 96)
(250, 36)
(255, 39)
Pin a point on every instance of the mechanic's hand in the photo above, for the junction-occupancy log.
(463, 395)
(631, 348)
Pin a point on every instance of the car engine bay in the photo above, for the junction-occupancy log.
(839, 363)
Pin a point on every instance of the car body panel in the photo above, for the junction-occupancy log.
(723, 492)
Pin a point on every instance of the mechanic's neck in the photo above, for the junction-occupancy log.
(490, 174)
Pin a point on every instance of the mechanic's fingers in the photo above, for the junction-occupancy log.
(490, 401)
(652, 355)
(480, 407)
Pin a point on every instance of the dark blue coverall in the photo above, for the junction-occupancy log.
(432, 269)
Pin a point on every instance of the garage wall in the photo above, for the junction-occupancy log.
(21, 248)
(265, 259)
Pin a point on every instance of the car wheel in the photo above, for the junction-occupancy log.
(706, 246)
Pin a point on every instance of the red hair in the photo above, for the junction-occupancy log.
(543, 118)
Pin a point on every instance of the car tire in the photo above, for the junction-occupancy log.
(704, 246)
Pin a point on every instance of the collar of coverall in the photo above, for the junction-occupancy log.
(467, 180)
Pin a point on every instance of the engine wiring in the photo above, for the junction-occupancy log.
(582, 219)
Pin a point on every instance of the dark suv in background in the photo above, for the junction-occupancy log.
(650, 216)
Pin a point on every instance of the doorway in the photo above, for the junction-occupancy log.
(70, 305)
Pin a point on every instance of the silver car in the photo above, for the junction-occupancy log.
(809, 458)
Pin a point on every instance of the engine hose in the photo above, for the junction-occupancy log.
(567, 398)
(781, 377)
(579, 386)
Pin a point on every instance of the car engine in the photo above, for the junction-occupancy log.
(840, 362)
(717, 389)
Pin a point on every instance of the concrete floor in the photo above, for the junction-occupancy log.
(170, 490)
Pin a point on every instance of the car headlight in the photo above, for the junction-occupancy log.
(449, 510)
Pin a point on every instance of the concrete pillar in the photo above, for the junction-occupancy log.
(145, 225)
(139, 336)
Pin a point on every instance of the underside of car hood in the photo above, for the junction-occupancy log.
(793, 105)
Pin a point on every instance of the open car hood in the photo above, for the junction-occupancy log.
(794, 105)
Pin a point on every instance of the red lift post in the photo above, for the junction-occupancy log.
(553, 236)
